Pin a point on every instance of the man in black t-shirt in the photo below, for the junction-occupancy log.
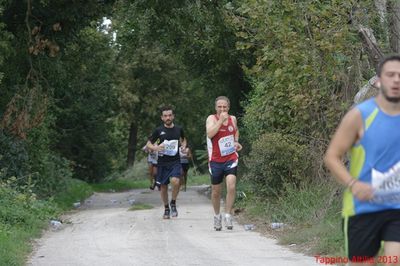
(167, 140)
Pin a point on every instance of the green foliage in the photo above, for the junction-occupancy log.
(22, 216)
(5, 45)
(76, 91)
(76, 191)
(202, 159)
(36, 86)
(198, 180)
(13, 159)
(36, 170)
(49, 171)
(22, 209)
(311, 213)
(314, 210)
(140, 207)
(13, 246)
(274, 161)
(120, 185)
(303, 78)
(84, 109)
(138, 172)
(302, 58)
(201, 62)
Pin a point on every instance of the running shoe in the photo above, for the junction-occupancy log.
(166, 214)
(217, 222)
(174, 211)
(228, 221)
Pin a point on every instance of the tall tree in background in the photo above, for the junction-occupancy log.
(147, 78)
(85, 101)
(203, 62)
(35, 75)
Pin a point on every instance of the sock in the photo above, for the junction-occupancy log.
(166, 206)
(173, 202)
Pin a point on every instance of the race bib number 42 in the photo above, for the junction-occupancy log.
(226, 145)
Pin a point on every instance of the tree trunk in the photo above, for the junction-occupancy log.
(371, 46)
(132, 141)
(372, 49)
(393, 8)
(381, 8)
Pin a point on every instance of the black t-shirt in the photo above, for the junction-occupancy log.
(171, 139)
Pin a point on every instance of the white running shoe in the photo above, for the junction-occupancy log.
(174, 211)
(228, 221)
(218, 222)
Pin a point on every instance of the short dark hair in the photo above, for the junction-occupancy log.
(166, 108)
(223, 98)
(393, 57)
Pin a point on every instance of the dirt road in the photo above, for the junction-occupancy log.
(104, 232)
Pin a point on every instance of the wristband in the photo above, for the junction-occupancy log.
(351, 183)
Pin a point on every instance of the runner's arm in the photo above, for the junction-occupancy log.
(153, 139)
(345, 136)
(237, 144)
(154, 147)
(348, 133)
(212, 126)
(183, 142)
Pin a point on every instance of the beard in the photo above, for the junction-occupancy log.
(389, 98)
(168, 122)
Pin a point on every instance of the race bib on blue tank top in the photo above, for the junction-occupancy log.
(386, 185)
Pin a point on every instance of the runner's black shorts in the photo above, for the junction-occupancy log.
(363, 233)
(164, 173)
(185, 167)
(219, 170)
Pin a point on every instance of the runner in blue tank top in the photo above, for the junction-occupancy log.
(371, 200)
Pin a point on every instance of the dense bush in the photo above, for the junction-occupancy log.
(275, 160)
(306, 73)
(13, 158)
(23, 216)
(22, 209)
(30, 165)
(76, 191)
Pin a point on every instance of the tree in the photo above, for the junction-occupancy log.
(35, 73)
(199, 45)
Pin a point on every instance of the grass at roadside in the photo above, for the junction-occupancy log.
(127, 184)
(23, 216)
(76, 191)
(197, 180)
(141, 206)
(14, 247)
(311, 216)
(137, 178)
(120, 185)
(132, 178)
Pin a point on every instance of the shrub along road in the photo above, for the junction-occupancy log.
(105, 232)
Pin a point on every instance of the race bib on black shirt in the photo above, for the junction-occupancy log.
(170, 137)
